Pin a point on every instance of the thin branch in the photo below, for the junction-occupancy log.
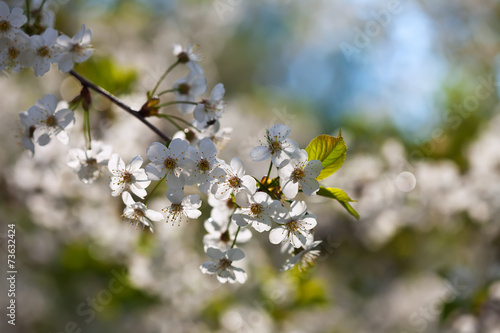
(115, 100)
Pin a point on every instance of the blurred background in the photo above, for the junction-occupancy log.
(411, 84)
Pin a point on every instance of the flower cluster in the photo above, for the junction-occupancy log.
(189, 163)
(21, 47)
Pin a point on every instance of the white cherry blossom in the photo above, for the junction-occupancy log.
(45, 51)
(257, 210)
(220, 234)
(299, 172)
(182, 208)
(222, 265)
(50, 119)
(304, 256)
(234, 181)
(294, 227)
(187, 89)
(90, 163)
(209, 111)
(11, 21)
(206, 166)
(137, 212)
(170, 162)
(74, 50)
(188, 56)
(127, 178)
(277, 146)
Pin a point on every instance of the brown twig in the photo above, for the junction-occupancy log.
(115, 100)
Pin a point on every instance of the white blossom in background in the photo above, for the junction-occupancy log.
(11, 21)
(14, 53)
(182, 208)
(221, 209)
(277, 146)
(187, 89)
(220, 234)
(295, 227)
(206, 166)
(127, 178)
(137, 212)
(50, 119)
(222, 265)
(257, 210)
(28, 129)
(170, 162)
(74, 50)
(45, 51)
(90, 164)
(234, 181)
(209, 111)
(305, 256)
(299, 172)
(188, 56)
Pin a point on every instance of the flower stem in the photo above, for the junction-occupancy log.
(115, 100)
(28, 12)
(166, 91)
(86, 129)
(269, 171)
(236, 236)
(163, 77)
(176, 102)
(154, 189)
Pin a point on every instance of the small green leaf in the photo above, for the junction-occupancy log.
(330, 151)
(340, 196)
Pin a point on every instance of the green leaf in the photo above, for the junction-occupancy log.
(330, 151)
(340, 196)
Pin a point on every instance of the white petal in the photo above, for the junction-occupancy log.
(277, 235)
(215, 253)
(260, 153)
(127, 199)
(235, 254)
(297, 208)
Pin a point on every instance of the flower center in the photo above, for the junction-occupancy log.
(274, 146)
(91, 162)
(293, 226)
(126, 177)
(176, 208)
(204, 165)
(184, 88)
(256, 209)
(138, 213)
(183, 57)
(13, 53)
(234, 182)
(4, 26)
(51, 121)
(76, 48)
(224, 264)
(297, 174)
(43, 52)
(225, 237)
(170, 163)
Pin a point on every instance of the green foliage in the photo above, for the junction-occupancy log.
(340, 196)
(107, 73)
(330, 151)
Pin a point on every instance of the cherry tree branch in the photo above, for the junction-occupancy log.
(86, 83)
